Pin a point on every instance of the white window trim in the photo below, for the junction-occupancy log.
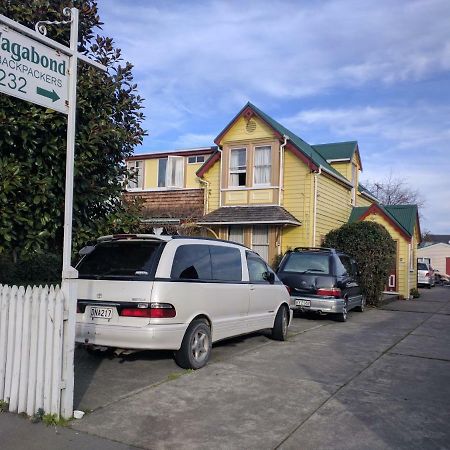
(270, 174)
(137, 188)
(238, 171)
(196, 157)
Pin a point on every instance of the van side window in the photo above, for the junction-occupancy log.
(257, 269)
(226, 263)
(191, 262)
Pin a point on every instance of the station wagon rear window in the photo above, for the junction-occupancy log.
(124, 260)
(316, 263)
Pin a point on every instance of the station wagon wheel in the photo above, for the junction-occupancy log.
(362, 306)
(342, 317)
(281, 323)
(196, 346)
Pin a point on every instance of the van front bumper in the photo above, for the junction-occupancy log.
(150, 337)
(322, 305)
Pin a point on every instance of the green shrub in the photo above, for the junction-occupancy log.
(374, 251)
(414, 292)
(35, 269)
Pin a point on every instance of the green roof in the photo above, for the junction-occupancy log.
(309, 151)
(404, 215)
(337, 150)
(364, 190)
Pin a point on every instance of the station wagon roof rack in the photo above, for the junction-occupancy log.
(314, 249)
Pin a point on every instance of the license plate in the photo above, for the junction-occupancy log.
(101, 313)
(302, 303)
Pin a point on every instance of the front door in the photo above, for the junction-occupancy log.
(392, 281)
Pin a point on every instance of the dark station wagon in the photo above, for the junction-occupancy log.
(321, 280)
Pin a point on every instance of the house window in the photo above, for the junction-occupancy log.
(196, 159)
(260, 241)
(136, 168)
(238, 167)
(263, 165)
(171, 172)
(236, 234)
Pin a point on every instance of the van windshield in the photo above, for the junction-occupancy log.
(122, 260)
(422, 266)
(317, 263)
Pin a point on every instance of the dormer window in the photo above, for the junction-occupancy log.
(136, 168)
(262, 165)
(238, 167)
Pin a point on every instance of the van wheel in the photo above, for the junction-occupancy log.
(362, 306)
(280, 325)
(196, 346)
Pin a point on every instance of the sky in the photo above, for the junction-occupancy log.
(329, 70)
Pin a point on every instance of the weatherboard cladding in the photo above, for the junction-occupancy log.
(248, 215)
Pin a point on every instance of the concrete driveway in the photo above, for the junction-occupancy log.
(381, 380)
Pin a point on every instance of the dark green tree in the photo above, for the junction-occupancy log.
(33, 142)
(373, 249)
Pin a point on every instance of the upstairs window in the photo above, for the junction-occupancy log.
(196, 159)
(171, 172)
(238, 167)
(136, 169)
(263, 165)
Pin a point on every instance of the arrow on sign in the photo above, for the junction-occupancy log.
(52, 95)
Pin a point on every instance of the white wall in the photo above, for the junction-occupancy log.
(437, 254)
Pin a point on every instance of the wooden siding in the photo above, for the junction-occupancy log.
(362, 201)
(212, 176)
(333, 206)
(238, 131)
(297, 199)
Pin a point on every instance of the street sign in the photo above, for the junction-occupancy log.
(32, 71)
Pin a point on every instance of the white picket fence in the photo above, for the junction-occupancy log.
(32, 366)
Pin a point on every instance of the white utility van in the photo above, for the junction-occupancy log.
(176, 293)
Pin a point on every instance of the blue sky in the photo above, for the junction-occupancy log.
(373, 71)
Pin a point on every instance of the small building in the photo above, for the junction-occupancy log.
(437, 254)
(402, 223)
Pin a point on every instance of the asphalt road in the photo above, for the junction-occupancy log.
(380, 380)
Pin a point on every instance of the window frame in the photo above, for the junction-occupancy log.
(196, 159)
(266, 245)
(269, 167)
(139, 183)
(238, 171)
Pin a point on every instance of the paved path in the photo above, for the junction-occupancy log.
(381, 380)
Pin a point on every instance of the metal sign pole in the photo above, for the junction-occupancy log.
(69, 274)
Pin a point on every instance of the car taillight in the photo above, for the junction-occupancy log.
(288, 289)
(154, 311)
(329, 292)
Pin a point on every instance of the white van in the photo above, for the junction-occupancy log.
(176, 293)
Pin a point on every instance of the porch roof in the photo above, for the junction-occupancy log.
(249, 215)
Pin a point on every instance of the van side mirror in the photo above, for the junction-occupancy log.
(86, 250)
(269, 276)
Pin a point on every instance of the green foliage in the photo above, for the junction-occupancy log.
(32, 269)
(373, 249)
(33, 142)
(414, 292)
(4, 406)
(38, 416)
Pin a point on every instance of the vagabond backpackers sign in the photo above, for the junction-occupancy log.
(32, 71)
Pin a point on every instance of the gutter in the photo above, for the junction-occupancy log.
(316, 174)
(205, 195)
(281, 174)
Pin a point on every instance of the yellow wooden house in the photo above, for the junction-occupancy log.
(270, 190)
(265, 187)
